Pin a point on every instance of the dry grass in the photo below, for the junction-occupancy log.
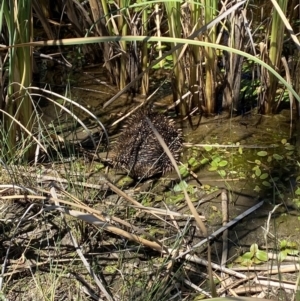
(65, 238)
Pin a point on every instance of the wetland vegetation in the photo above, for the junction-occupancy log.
(225, 223)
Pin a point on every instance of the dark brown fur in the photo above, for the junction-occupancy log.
(137, 149)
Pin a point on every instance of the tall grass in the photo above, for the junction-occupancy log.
(144, 51)
(195, 55)
(103, 24)
(195, 68)
(235, 36)
(122, 59)
(16, 16)
(275, 52)
(173, 14)
(122, 29)
(210, 12)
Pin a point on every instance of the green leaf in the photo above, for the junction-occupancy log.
(216, 159)
(161, 48)
(289, 147)
(277, 157)
(262, 153)
(264, 176)
(239, 259)
(267, 184)
(213, 168)
(179, 187)
(262, 255)
(256, 261)
(157, 66)
(258, 172)
(282, 255)
(204, 161)
(183, 171)
(258, 162)
(214, 164)
(208, 148)
(60, 101)
(283, 244)
(253, 248)
(222, 173)
(297, 192)
(223, 163)
(283, 141)
(247, 255)
(247, 262)
(192, 161)
(257, 189)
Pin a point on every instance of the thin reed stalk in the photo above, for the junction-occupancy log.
(144, 56)
(210, 10)
(276, 44)
(123, 31)
(17, 15)
(174, 20)
(195, 56)
(101, 16)
(233, 63)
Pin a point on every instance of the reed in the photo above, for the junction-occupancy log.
(275, 51)
(234, 62)
(123, 59)
(195, 82)
(122, 29)
(17, 18)
(210, 11)
(144, 53)
(173, 14)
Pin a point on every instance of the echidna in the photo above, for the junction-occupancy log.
(137, 149)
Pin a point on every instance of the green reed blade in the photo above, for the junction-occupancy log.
(17, 16)
(276, 44)
(210, 8)
(175, 30)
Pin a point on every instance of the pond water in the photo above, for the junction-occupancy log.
(251, 156)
